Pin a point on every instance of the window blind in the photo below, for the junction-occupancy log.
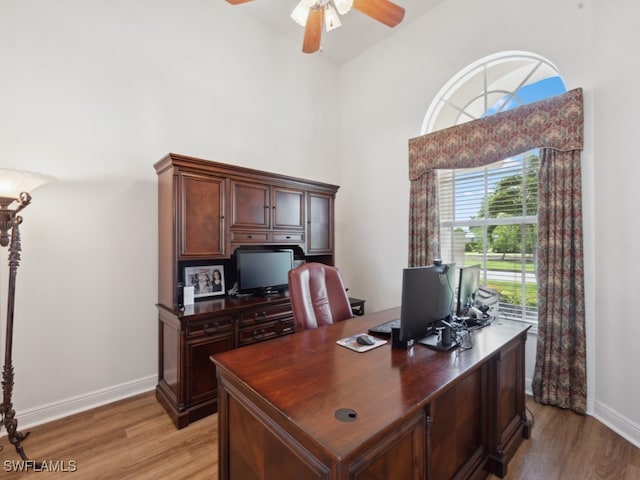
(488, 216)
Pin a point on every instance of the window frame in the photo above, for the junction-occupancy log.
(470, 95)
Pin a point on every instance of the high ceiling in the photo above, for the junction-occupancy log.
(357, 33)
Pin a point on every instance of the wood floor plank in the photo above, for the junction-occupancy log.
(134, 439)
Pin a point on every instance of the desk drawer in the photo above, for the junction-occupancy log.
(209, 327)
(288, 237)
(250, 237)
(266, 314)
(265, 331)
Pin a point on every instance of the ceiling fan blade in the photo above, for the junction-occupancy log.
(382, 10)
(238, 2)
(313, 30)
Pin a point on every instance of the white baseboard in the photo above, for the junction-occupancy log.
(618, 423)
(63, 408)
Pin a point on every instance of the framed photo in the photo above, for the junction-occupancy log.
(206, 280)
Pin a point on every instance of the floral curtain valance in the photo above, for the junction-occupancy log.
(555, 122)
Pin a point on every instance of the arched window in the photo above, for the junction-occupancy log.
(488, 214)
(490, 85)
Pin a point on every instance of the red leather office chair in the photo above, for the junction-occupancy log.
(318, 296)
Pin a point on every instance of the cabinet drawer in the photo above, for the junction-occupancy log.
(288, 237)
(266, 314)
(265, 331)
(250, 237)
(209, 327)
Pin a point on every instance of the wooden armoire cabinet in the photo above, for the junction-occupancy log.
(206, 211)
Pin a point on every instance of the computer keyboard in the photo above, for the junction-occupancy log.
(384, 329)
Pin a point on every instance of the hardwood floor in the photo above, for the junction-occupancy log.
(567, 446)
(135, 439)
(130, 439)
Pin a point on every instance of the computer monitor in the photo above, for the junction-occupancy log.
(468, 285)
(427, 298)
(263, 272)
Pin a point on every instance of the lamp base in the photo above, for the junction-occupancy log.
(9, 419)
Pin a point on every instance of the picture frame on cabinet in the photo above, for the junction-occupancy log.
(206, 280)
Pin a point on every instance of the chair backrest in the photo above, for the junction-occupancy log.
(318, 296)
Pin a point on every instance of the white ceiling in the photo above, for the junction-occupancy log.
(357, 33)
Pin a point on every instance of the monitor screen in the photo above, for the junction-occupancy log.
(427, 297)
(263, 271)
(468, 285)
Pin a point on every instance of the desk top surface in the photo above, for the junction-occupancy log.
(306, 377)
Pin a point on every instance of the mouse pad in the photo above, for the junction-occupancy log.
(352, 344)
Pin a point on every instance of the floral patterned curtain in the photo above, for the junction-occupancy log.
(555, 125)
(424, 221)
(560, 376)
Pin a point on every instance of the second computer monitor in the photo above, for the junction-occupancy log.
(427, 297)
(468, 285)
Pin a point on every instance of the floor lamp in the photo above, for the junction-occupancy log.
(15, 186)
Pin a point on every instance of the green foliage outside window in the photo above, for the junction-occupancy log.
(509, 243)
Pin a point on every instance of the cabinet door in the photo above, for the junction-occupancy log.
(510, 412)
(250, 205)
(288, 208)
(202, 215)
(201, 381)
(169, 357)
(319, 223)
(399, 455)
(457, 437)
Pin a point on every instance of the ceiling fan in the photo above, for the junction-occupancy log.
(312, 14)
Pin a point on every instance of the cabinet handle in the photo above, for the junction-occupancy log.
(260, 317)
(249, 236)
(279, 326)
(258, 334)
(211, 331)
(288, 237)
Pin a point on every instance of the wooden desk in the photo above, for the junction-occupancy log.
(419, 413)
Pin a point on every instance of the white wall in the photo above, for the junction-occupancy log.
(95, 92)
(616, 124)
(385, 93)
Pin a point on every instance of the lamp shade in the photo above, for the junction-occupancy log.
(13, 182)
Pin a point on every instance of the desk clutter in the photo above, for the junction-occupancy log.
(433, 314)
(444, 336)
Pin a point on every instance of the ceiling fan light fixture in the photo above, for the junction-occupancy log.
(331, 18)
(301, 12)
(343, 6)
